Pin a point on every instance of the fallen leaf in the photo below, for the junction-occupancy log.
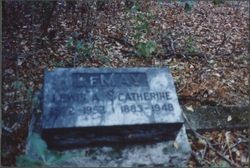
(217, 74)
(229, 118)
(190, 108)
(6, 108)
(20, 62)
(23, 42)
(26, 48)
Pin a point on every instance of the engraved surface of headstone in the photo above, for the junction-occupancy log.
(88, 106)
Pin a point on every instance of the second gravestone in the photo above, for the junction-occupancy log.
(117, 117)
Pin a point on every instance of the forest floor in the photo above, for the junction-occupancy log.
(204, 45)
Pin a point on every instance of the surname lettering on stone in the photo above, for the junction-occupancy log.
(132, 79)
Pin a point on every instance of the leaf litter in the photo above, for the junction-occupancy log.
(205, 49)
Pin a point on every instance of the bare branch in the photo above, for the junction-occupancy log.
(209, 143)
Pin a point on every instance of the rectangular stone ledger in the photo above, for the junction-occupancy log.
(100, 106)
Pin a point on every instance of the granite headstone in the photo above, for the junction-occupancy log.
(102, 106)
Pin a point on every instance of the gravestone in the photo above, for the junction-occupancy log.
(127, 116)
(101, 106)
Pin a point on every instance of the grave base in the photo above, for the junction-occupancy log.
(170, 153)
(167, 153)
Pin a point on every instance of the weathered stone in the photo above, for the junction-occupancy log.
(172, 153)
(168, 153)
(205, 118)
(100, 106)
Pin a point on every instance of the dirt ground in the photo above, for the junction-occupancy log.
(204, 44)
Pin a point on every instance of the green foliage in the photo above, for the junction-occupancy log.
(141, 24)
(83, 49)
(24, 161)
(70, 43)
(221, 163)
(103, 59)
(187, 4)
(39, 145)
(29, 93)
(187, 7)
(42, 156)
(35, 101)
(160, 1)
(142, 27)
(146, 48)
(218, 2)
(135, 7)
(191, 45)
(59, 64)
(17, 85)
